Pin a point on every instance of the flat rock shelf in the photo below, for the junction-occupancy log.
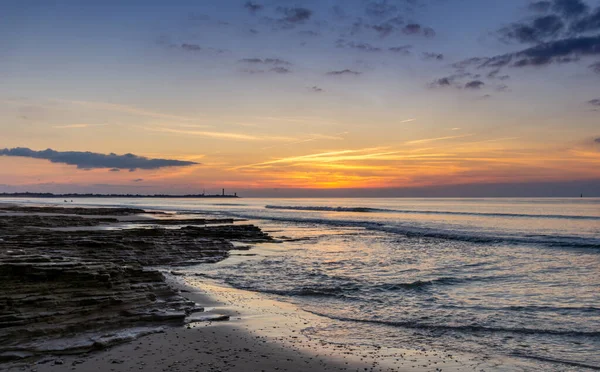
(71, 286)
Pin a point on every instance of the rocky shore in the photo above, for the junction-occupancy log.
(73, 280)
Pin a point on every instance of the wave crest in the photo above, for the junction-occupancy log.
(409, 211)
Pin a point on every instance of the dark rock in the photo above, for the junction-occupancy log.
(60, 285)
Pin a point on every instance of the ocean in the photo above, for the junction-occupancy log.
(499, 277)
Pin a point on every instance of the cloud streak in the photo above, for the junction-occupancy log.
(266, 61)
(221, 135)
(92, 160)
(436, 139)
(343, 72)
(78, 126)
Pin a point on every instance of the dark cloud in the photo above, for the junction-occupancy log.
(588, 23)
(92, 160)
(363, 47)
(138, 180)
(114, 170)
(412, 28)
(540, 6)
(454, 80)
(253, 7)
(386, 28)
(386, 17)
(404, 49)
(597, 140)
(442, 82)
(316, 89)
(433, 56)
(547, 26)
(558, 51)
(595, 102)
(560, 37)
(417, 29)
(280, 70)
(266, 61)
(344, 72)
(570, 20)
(538, 30)
(187, 47)
(191, 47)
(495, 75)
(475, 84)
(569, 8)
(295, 15)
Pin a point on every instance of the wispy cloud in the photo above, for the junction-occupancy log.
(408, 120)
(222, 135)
(303, 157)
(77, 126)
(373, 153)
(436, 139)
(342, 157)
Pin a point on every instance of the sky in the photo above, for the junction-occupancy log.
(301, 98)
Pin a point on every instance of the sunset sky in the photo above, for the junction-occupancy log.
(290, 97)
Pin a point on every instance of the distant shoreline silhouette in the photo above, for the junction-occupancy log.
(76, 195)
